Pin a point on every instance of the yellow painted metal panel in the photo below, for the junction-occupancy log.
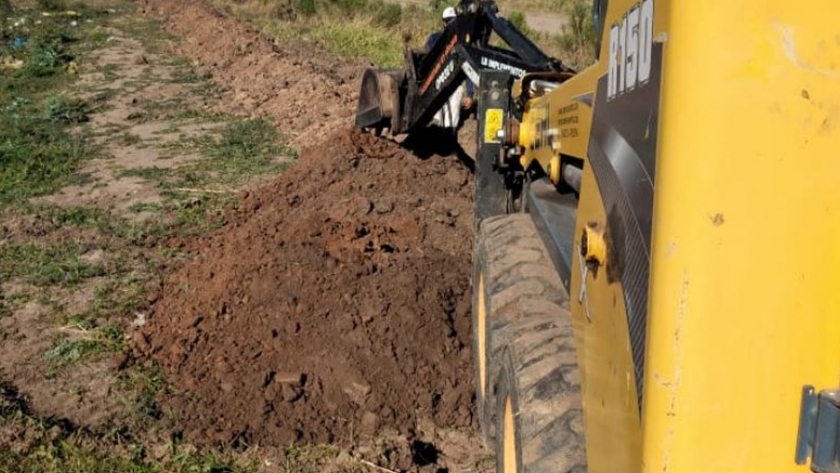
(602, 342)
(745, 289)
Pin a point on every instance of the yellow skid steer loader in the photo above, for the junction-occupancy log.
(657, 264)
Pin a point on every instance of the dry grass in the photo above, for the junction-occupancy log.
(378, 30)
(555, 6)
(552, 6)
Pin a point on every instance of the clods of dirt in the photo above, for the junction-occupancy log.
(334, 303)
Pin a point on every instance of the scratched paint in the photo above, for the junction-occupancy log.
(789, 46)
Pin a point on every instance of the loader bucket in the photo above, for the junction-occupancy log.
(379, 99)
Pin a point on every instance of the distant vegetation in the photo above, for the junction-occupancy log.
(378, 29)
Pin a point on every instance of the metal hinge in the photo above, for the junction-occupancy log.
(819, 430)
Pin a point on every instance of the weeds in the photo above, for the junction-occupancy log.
(60, 264)
(68, 351)
(359, 39)
(379, 29)
(580, 37)
(242, 150)
(30, 444)
(246, 148)
(144, 383)
(57, 448)
(39, 150)
(37, 153)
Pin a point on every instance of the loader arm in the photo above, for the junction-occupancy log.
(407, 99)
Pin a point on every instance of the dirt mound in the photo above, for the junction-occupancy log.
(336, 301)
(309, 93)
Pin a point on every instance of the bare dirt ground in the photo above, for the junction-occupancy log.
(123, 78)
(335, 303)
(308, 93)
(207, 303)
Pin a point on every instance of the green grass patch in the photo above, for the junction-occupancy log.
(66, 457)
(308, 458)
(40, 145)
(60, 264)
(246, 148)
(204, 217)
(243, 149)
(54, 217)
(53, 448)
(358, 39)
(38, 153)
(142, 385)
(110, 71)
(70, 457)
(32, 444)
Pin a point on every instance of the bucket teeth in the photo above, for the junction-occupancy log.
(385, 133)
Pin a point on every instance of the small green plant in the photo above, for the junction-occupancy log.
(307, 458)
(145, 383)
(145, 207)
(67, 351)
(306, 7)
(65, 111)
(38, 151)
(47, 58)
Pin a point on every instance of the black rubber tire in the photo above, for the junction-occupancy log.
(530, 355)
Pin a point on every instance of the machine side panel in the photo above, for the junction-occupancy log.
(602, 340)
(609, 300)
(745, 263)
(622, 153)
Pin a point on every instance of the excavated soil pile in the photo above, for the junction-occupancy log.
(310, 93)
(336, 301)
